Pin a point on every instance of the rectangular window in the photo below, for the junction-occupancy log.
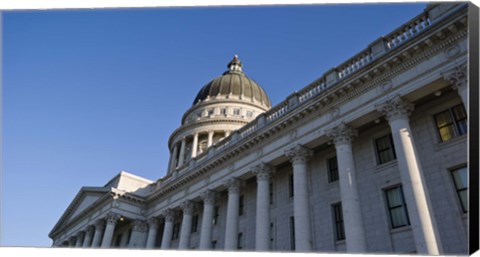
(223, 111)
(249, 114)
(338, 219)
(118, 240)
(270, 192)
(290, 185)
(461, 185)
(214, 244)
(332, 169)
(240, 241)
(129, 235)
(292, 233)
(385, 149)
(176, 231)
(236, 112)
(215, 215)
(397, 207)
(272, 235)
(210, 112)
(451, 123)
(194, 223)
(241, 205)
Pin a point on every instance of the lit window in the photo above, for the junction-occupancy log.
(461, 185)
(385, 149)
(338, 219)
(332, 169)
(451, 123)
(397, 207)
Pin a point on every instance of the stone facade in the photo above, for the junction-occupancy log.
(368, 158)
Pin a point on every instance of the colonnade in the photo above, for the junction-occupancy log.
(396, 110)
(178, 157)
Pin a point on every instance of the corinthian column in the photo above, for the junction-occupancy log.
(152, 232)
(111, 221)
(262, 225)
(80, 238)
(139, 233)
(298, 156)
(187, 207)
(181, 157)
(207, 217)
(97, 237)
(195, 145)
(342, 136)
(231, 229)
(169, 216)
(458, 79)
(416, 195)
(87, 242)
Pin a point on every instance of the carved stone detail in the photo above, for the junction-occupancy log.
(188, 207)
(169, 215)
(396, 108)
(112, 218)
(152, 222)
(457, 76)
(209, 197)
(99, 224)
(262, 171)
(342, 134)
(139, 225)
(298, 153)
(234, 185)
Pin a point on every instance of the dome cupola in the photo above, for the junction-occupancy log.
(222, 106)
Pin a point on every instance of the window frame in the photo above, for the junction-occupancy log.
(338, 221)
(403, 205)
(455, 122)
(391, 148)
(464, 209)
(332, 173)
(194, 227)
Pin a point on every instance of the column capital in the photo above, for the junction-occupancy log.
(342, 134)
(395, 108)
(457, 76)
(298, 153)
(99, 224)
(234, 185)
(188, 207)
(209, 197)
(169, 215)
(139, 225)
(152, 222)
(112, 218)
(262, 171)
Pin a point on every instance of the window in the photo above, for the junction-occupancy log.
(451, 123)
(215, 215)
(272, 235)
(338, 219)
(461, 185)
(270, 192)
(332, 169)
(210, 112)
(176, 231)
(223, 111)
(290, 185)
(292, 233)
(118, 240)
(129, 235)
(249, 114)
(236, 112)
(240, 241)
(194, 223)
(214, 244)
(241, 206)
(397, 207)
(385, 149)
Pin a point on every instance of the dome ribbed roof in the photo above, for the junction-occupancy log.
(234, 83)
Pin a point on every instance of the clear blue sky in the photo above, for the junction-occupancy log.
(88, 93)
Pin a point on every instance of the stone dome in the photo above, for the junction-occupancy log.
(233, 84)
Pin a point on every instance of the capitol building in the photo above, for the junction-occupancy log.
(369, 158)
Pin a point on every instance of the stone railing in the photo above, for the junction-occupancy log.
(329, 79)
